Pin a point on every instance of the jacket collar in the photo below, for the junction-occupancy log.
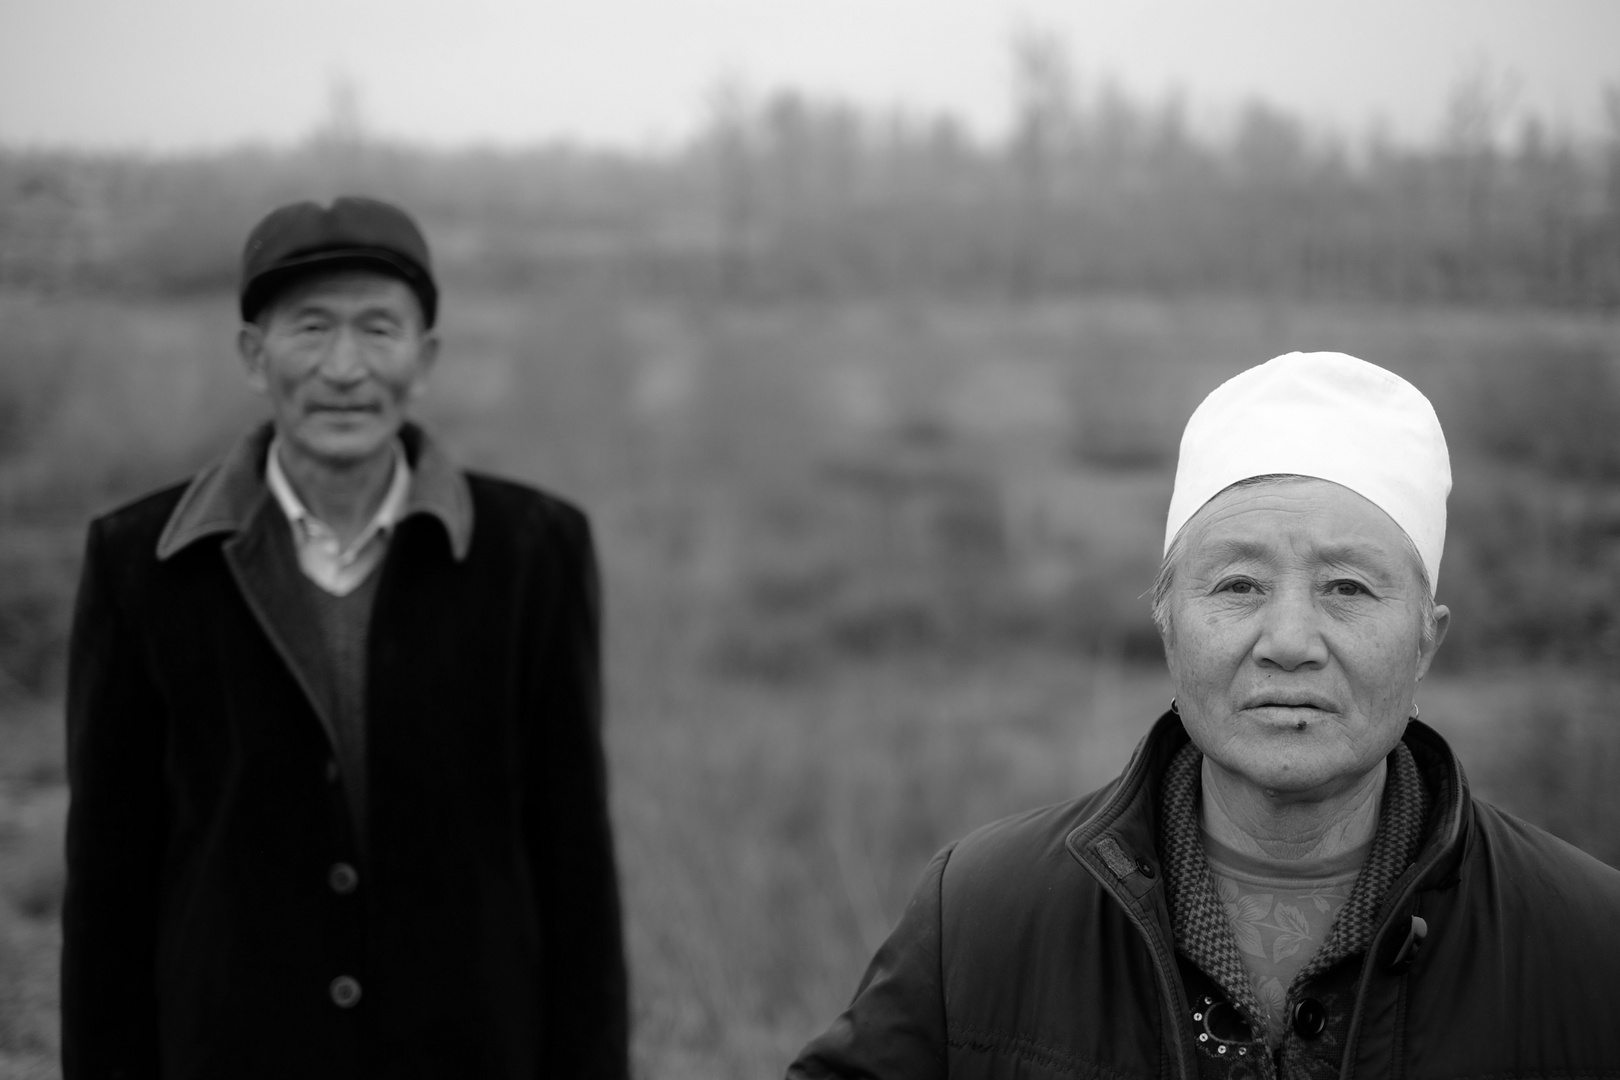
(224, 496)
(1452, 815)
(1121, 834)
(1122, 830)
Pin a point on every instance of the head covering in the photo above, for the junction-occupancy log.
(353, 232)
(1330, 416)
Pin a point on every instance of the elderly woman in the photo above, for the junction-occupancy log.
(1291, 877)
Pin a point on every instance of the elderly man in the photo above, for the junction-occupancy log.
(1291, 878)
(339, 799)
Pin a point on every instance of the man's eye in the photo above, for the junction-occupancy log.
(1347, 588)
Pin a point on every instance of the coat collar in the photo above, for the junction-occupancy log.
(1120, 836)
(223, 497)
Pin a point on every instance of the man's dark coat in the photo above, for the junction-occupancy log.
(208, 913)
(1041, 947)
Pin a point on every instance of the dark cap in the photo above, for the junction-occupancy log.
(352, 232)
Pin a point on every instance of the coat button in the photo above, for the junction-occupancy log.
(343, 878)
(345, 991)
(1310, 1018)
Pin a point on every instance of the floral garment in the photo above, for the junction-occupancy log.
(1280, 914)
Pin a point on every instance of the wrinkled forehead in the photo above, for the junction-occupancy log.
(1270, 518)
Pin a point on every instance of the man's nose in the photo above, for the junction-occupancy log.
(345, 361)
(1291, 632)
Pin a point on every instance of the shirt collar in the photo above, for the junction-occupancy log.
(223, 497)
(389, 512)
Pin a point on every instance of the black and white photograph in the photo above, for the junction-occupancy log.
(889, 540)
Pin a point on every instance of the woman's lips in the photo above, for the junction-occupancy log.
(1293, 710)
(1282, 699)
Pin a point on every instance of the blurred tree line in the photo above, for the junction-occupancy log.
(784, 194)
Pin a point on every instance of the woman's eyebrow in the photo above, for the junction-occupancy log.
(1360, 556)
(1355, 554)
(1226, 552)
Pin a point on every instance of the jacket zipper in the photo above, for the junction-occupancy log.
(1168, 980)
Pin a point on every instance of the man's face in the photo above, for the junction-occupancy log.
(1296, 635)
(339, 356)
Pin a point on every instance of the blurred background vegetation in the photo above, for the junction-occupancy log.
(877, 421)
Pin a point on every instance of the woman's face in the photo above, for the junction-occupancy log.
(1295, 635)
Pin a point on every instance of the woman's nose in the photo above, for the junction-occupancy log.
(1290, 633)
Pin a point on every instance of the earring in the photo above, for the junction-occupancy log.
(1173, 707)
(1415, 710)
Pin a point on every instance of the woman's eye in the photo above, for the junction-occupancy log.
(1241, 587)
(1347, 588)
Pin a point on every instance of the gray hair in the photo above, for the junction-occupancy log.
(1160, 591)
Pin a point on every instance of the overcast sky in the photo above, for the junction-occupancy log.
(187, 74)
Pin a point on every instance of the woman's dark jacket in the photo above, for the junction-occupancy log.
(1042, 947)
(218, 885)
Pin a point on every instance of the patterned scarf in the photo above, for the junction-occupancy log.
(1202, 932)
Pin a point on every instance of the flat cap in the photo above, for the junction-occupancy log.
(354, 231)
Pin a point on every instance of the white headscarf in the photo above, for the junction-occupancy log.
(1325, 415)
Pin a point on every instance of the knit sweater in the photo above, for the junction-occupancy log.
(344, 624)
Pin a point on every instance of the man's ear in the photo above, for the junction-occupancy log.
(250, 347)
(427, 355)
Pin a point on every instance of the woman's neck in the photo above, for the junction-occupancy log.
(1255, 822)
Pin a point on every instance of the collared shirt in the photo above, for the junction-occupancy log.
(322, 557)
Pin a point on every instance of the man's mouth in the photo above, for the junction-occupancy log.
(344, 410)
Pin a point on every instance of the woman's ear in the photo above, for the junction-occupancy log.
(1427, 649)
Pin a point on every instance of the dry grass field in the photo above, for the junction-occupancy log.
(874, 575)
